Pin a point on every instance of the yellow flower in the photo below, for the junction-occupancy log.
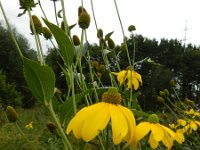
(179, 136)
(129, 76)
(181, 122)
(91, 120)
(157, 132)
(192, 126)
(30, 125)
(192, 112)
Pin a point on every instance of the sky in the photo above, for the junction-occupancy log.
(152, 18)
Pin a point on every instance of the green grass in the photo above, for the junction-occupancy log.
(38, 138)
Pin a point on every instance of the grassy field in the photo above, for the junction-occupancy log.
(14, 136)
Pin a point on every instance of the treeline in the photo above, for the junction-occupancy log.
(169, 59)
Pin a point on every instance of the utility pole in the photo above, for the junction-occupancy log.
(185, 35)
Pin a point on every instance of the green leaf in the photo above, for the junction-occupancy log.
(107, 36)
(40, 79)
(66, 109)
(66, 46)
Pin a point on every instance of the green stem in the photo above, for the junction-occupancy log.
(92, 6)
(124, 37)
(11, 32)
(64, 17)
(36, 39)
(42, 10)
(55, 11)
(60, 130)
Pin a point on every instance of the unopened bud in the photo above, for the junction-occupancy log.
(11, 114)
(100, 33)
(111, 43)
(76, 40)
(46, 33)
(84, 20)
(131, 28)
(37, 23)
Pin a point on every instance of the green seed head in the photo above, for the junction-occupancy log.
(112, 96)
(46, 33)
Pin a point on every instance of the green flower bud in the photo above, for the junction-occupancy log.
(101, 68)
(37, 23)
(160, 99)
(100, 33)
(131, 28)
(162, 94)
(81, 10)
(95, 64)
(76, 40)
(111, 43)
(11, 114)
(27, 4)
(122, 47)
(166, 92)
(84, 20)
(172, 83)
(153, 118)
(62, 26)
(46, 33)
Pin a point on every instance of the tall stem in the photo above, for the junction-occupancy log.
(55, 11)
(60, 130)
(124, 37)
(11, 32)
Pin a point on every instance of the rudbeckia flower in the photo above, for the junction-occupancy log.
(157, 132)
(192, 113)
(129, 77)
(91, 120)
(191, 126)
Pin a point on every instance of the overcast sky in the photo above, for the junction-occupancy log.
(152, 18)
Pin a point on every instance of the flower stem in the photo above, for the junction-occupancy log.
(39, 50)
(11, 32)
(123, 33)
(60, 130)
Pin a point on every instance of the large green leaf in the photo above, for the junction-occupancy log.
(40, 79)
(66, 47)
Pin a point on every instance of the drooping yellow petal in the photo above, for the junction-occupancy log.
(167, 141)
(96, 121)
(197, 122)
(193, 125)
(153, 143)
(121, 77)
(179, 136)
(141, 130)
(157, 131)
(76, 123)
(131, 124)
(138, 76)
(119, 123)
(181, 122)
(169, 131)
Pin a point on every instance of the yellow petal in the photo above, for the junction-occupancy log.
(181, 122)
(131, 123)
(135, 83)
(119, 123)
(197, 122)
(167, 141)
(121, 77)
(157, 131)
(153, 143)
(138, 76)
(193, 125)
(179, 137)
(76, 123)
(169, 131)
(141, 130)
(96, 121)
